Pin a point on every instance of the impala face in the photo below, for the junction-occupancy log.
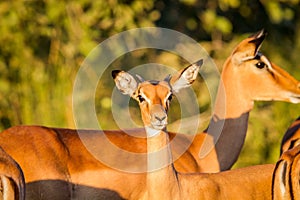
(154, 97)
(257, 77)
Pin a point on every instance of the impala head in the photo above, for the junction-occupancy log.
(154, 96)
(256, 76)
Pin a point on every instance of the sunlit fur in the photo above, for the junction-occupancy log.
(12, 181)
(292, 136)
(286, 176)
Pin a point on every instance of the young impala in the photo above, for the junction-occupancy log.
(164, 182)
(57, 164)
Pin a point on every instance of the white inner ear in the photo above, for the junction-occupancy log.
(126, 83)
(186, 78)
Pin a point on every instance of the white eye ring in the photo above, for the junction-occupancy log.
(265, 60)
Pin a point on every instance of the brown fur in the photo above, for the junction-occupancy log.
(286, 177)
(12, 181)
(291, 137)
(57, 159)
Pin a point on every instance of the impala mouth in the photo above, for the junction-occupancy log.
(158, 123)
(153, 130)
(159, 126)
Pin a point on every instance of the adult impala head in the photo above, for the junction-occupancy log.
(154, 96)
(256, 77)
(247, 76)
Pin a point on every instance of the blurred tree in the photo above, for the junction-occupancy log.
(44, 43)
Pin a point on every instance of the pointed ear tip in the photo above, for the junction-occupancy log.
(168, 78)
(263, 32)
(260, 34)
(258, 37)
(199, 62)
(115, 73)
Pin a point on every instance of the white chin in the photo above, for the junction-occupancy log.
(295, 100)
(158, 127)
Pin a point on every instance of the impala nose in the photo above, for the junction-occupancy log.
(158, 117)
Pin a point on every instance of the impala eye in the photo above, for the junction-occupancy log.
(260, 65)
(141, 99)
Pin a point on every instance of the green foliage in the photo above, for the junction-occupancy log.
(43, 44)
(214, 22)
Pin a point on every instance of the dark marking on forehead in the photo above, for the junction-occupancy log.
(258, 55)
(154, 82)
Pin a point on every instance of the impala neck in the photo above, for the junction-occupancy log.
(161, 177)
(229, 123)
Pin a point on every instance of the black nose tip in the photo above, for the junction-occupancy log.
(160, 118)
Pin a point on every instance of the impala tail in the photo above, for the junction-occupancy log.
(286, 176)
(11, 178)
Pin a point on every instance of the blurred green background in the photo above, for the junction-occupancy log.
(43, 43)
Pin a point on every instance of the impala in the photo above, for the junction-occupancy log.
(286, 184)
(167, 183)
(286, 177)
(247, 76)
(57, 164)
(292, 136)
(12, 183)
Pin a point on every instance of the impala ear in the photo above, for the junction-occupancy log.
(125, 82)
(140, 78)
(168, 78)
(248, 48)
(257, 39)
(186, 76)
